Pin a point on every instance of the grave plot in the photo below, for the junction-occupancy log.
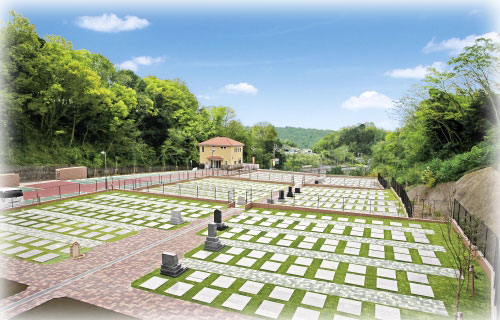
(221, 189)
(43, 233)
(381, 202)
(268, 271)
(297, 178)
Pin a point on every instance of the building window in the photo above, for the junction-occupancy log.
(202, 149)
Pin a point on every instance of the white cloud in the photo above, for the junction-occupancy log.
(419, 72)
(134, 63)
(368, 100)
(242, 87)
(456, 45)
(111, 23)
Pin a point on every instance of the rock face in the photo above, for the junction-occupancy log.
(477, 191)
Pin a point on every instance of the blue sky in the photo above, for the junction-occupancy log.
(313, 68)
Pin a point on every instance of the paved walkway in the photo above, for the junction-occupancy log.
(88, 279)
(326, 287)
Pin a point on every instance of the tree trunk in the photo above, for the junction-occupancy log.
(72, 131)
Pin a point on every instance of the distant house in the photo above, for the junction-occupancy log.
(221, 152)
(307, 151)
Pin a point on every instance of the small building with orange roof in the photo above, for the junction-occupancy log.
(221, 152)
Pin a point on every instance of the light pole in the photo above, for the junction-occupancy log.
(212, 160)
(105, 168)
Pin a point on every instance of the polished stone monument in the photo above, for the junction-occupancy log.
(176, 217)
(212, 242)
(241, 200)
(290, 193)
(170, 265)
(297, 189)
(281, 196)
(218, 220)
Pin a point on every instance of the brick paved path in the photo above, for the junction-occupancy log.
(110, 287)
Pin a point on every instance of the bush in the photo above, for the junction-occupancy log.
(335, 170)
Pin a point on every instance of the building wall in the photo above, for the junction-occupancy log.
(229, 154)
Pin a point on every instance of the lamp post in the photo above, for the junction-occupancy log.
(212, 160)
(105, 168)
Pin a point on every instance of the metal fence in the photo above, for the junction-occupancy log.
(403, 196)
(64, 189)
(485, 240)
(477, 232)
(382, 181)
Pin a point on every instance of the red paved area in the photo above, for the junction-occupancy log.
(110, 288)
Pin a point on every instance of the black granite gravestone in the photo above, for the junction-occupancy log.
(170, 265)
(281, 195)
(218, 220)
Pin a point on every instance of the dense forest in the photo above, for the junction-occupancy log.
(65, 106)
(350, 143)
(450, 121)
(303, 138)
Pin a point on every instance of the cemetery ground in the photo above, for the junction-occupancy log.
(43, 233)
(299, 265)
(286, 264)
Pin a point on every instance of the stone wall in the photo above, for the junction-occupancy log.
(71, 173)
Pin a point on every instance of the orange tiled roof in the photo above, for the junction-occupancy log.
(221, 142)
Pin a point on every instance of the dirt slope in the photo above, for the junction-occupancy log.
(477, 191)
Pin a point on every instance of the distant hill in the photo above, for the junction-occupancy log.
(304, 138)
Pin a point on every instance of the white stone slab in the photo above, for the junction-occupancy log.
(153, 283)
(387, 284)
(296, 270)
(202, 254)
(386, 313)
(256, 254)
(349, 306)
(198, 276)
(402, 257)
(303, 313)
(417, 277)
(314, 299)
(325, 274)
(356, 268)
(246, 262)
(327, 264)
(303, 261)
(223, 258)
(235, 251)
(270, 266)
(279, 257)
(29, 254)
(46, 257)
(429, 260)
(223, 282)
(351, 278)
(179, 289)
(269, 309)
(236, 301)
(251, 287)
(206, 295)
(386, 273)
(421, 289)
(281, 293)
